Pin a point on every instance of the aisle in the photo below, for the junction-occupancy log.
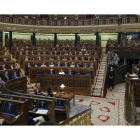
(105, 111)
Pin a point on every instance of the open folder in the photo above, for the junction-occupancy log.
(41, 111)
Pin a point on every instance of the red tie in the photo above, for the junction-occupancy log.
(51, 72)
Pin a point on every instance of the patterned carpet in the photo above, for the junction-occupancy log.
(105, 111)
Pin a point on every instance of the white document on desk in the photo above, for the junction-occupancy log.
(41, 111)
(54, 92)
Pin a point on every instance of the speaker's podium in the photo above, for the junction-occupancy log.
(14, 112)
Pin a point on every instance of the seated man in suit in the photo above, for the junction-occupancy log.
(50, 53)
(33, 58)
(58, 58)
(3, 67)
(58, 64)
(88, 58)
(77, 65)
(51, 71)
(20, 53)
(61, 71)
(35, 65)
(26, 58)
(6, 77)
(70, 58)
(75, 53)
(82, 58)
(70, 72)
(51, 64)
(11, 66)
(38, 53)
(14, 76)
(85, 65)
(66, 64)
(39, 58)
(43, 65)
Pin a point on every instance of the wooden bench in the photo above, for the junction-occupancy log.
(6, 57)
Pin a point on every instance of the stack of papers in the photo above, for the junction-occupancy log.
(41, 111)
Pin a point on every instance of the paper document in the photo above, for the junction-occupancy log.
(135, 78)
(54, 92)
(41, 111)
(132, 74)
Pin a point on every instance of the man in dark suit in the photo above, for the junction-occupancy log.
(6, 77)
(14, 76)
(3, 67)
(70, 72)
(27, 67)
(66, 64)
(111, 77)
(11, 67)
(51, 71)
(35, 65)
(58, 64)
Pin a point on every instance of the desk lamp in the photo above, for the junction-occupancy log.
(62, 86)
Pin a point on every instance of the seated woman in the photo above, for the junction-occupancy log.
(51, 64)
(50, 92)
(61, 72)
(43, 65)
(72, 64)
(38, 90)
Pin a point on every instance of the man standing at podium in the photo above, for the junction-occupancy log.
(111, 77)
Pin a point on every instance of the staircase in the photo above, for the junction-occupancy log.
(98, 86)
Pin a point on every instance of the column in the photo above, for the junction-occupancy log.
(124, 60)
(76, 38)
(119, 37)
(97, 38)
(34, 43)
(55, 39)
(10, 41)
(1, 39)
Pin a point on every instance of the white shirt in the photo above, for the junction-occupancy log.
(61, 72)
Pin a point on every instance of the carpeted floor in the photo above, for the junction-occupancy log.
(105, 111)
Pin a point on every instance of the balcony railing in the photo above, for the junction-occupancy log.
(69, 22)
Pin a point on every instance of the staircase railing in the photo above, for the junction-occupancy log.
(103, 81)
(83, 118)
(133, 106)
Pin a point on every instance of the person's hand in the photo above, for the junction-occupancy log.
(1, 120)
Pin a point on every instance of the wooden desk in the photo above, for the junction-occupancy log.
(5, 116)
(66, 95)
